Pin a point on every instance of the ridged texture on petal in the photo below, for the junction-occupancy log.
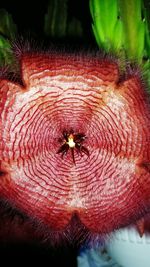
(63, 92)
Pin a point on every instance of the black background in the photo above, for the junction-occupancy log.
(29, 16)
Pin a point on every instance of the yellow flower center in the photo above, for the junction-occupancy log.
(70, 141)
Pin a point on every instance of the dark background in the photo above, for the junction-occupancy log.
(29, 16)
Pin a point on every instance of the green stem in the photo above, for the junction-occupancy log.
(133, 28)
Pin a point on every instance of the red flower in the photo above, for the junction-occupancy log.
(103, 176)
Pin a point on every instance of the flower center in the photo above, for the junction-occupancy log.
(72, 141)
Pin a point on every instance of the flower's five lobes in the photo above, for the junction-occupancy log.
(109, 184)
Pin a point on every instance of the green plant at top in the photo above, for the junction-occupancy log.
(107, 27)
(8, 31)
(121, 26)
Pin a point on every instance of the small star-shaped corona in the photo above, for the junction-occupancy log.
(73, 142)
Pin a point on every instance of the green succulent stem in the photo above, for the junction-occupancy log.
(123, 27)
(106, 25)
(133, 28)
(8, 31)
(118, 25)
